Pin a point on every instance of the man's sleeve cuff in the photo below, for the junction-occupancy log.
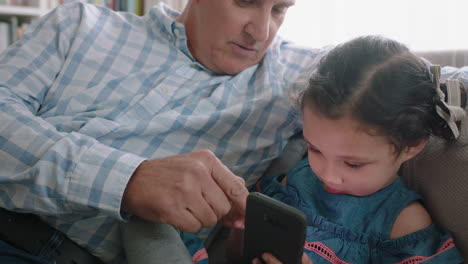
(100, 178)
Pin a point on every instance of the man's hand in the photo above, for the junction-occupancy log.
(188, 191)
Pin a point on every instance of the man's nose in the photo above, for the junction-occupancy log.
(259, 26)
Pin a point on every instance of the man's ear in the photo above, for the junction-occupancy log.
(412, 150)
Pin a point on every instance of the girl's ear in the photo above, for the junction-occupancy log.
(412, 150)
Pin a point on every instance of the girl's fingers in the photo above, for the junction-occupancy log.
(305, 259)
(270, 259)
(256, 261)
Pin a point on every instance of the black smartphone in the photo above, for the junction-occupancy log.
(274, 227)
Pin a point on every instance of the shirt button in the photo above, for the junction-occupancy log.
(176, 31)
(164, 90)
(169, 37)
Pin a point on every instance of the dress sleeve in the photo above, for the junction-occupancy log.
(429, 246)
(195, 247)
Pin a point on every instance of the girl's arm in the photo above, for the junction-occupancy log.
(411, 219)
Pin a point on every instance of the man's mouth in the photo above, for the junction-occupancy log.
(247, 48)
(249, 52)
(250, 48)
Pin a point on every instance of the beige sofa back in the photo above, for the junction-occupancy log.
(456, 58)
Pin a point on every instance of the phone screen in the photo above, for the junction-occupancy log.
(274, 227)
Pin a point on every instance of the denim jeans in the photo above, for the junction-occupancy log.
(12, 255)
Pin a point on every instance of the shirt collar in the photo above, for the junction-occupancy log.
(165, 17)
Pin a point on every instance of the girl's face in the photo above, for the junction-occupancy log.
(349, 160)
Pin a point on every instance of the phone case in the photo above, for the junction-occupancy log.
(274, 227)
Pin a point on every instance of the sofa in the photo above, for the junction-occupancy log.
(440, 172)
(455, 58)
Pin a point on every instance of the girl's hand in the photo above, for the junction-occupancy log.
(270, 259)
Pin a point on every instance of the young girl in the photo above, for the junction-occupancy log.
(370, 106)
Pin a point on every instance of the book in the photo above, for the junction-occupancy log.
(13, 29)
(4, 35)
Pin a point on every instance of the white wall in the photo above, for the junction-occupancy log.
(420, 24)
(176, 4)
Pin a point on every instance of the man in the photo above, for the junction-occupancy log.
(107, 115)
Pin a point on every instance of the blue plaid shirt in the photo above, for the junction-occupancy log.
(88, 94)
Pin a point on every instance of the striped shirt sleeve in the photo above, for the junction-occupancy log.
(43, 170)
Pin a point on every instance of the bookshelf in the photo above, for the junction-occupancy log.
(22, 11)
(15, 15)
(26, 9)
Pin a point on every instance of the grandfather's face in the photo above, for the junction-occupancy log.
(228, 36)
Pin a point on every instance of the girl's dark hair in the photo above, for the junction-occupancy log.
(380, 83)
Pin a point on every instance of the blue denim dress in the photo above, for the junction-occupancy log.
(348, 229)
(195, 247)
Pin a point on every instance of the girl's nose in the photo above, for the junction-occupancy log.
(331, 177)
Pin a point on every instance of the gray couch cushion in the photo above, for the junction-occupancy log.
(455, 58)
(440, 174)
(294, 151)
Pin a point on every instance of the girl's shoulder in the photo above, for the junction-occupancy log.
(412, 218)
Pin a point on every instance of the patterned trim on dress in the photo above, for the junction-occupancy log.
(259, 186)
(328, 254)
(324, 251)
(449, 244)
(200, 255)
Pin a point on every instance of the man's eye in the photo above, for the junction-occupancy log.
(280, 10)
(353, 165)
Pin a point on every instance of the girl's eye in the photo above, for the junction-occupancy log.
(245, 2)
(353, 165)
(313, 150)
